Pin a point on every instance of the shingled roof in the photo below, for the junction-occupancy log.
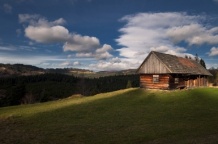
(179, 65)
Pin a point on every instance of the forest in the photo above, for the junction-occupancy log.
(53, 86)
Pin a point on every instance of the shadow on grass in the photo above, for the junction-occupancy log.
(135, 116)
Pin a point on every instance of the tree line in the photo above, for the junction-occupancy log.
(52, 86)
(214, 78)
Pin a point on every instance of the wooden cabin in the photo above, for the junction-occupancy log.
(164, 71)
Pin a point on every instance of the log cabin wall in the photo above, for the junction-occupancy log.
(197, 81)
(201, 81)
(146, 81)
(168, 81)
(175, 81)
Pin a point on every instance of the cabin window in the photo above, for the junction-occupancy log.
(155, 78)
(176, 80)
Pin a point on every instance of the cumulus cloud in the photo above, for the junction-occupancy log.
(213, 51)
(80, 43)
(47, 34)
(144, 32)
(102, 53)
(40, 30)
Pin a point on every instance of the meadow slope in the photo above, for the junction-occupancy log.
(125, 116)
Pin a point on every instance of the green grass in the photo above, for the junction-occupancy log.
(125, 116)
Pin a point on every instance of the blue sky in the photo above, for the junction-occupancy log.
(106, 34)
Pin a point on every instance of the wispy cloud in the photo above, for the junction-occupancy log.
(7, 8)
(5, 48)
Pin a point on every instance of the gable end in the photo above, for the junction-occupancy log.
(152, 65)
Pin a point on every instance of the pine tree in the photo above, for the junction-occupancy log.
(216, 79)
(129, 84)
(203, 63)
(197, 58)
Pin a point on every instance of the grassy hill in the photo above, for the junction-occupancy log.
(125, 116)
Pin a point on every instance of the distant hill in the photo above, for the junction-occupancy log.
(88, 73)
(112, 73)
(26, 70)
(70, 71)
(19, 70)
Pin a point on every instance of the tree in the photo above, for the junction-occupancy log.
(197, 58)
(203, 63)
(16, 93)
(129, 84)
(216, 79)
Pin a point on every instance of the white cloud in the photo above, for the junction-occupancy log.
(80, 43)
(3, 48)
(69, 56)
(27, 18)
(102, 53)
(194, 34)
(105, 48)
(184, 32)
(70, 64)
(7, 8)
(162, 32)
(24, 59)
(115, 64)
(47, 34)
(213, 51)
(147, 31)
(37, 20)
(65, 64)
(76, 63)
(41, 30)
(87, 55)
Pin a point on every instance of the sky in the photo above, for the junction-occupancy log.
(106, 35)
